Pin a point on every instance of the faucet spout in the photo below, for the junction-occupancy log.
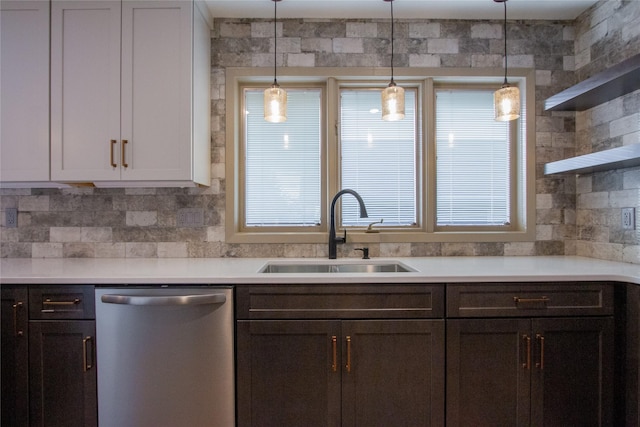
(333, 239)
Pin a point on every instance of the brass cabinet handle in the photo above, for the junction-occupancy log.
(49, 306)
(86, 365)
(124, 144)
(16, 306)
(113, 163)
(541, 300)
(540, 364)
(334, 347)
(527, 363)
(348, 354)
(49, 302)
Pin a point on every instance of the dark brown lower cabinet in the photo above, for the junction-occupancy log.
(48, 356)
(632, 344)
(63, 382)
(530, 372)
(340, 373)
(15, 356)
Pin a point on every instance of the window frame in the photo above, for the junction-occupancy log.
(523, 204)
(242, 227)
(336, 179)
(514, 155)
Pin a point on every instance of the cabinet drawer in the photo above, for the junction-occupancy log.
(529, 299)
(61, 302)
(339, 301)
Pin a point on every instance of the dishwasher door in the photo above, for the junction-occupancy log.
(165, 356)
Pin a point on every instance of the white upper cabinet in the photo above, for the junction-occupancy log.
(24, 91)
(126, 95)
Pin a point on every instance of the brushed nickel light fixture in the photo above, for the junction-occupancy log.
(393, 95)
(275, 98)
(506, 100)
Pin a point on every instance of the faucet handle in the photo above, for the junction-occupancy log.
(370, 226)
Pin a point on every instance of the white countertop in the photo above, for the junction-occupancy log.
(231, 271)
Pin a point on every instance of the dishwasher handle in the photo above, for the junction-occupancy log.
(176, 300)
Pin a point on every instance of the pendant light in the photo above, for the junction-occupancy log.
(506, 100)
(393, 95)
(275, 98)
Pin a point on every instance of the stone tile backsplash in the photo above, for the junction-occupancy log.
(574, 215)
(607, 34)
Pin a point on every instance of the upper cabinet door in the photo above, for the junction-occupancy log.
(156, 89)
(85, 90)
(24, 84)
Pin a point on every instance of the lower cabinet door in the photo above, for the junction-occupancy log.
(488, 372)
(393, 373)
(572, 376)
(14, 371)
(288, 373)
(62, 373)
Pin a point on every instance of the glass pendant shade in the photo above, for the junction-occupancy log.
(506, 101)
(393, 103)
(275, 104)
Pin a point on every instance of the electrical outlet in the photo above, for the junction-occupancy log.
(629, 218)
(190, 217)
(11, 218)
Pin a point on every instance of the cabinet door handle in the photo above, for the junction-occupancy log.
(87, 342)
(540, 363)
(334, 348)
(111, 160)
(527, 363)
(348, 354)
(124, 145)
(16, 306)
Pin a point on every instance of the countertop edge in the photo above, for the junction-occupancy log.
(238, 271)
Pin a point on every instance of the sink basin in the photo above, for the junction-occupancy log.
(335, 267)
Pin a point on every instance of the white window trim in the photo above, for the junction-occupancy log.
(524, 220)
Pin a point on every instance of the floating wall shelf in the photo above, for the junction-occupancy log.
(615, 158)
(616, 81)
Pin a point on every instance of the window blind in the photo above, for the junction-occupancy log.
(472, 160)
(282, 161)
(378, 159)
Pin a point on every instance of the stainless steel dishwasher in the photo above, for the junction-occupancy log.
(165, 356)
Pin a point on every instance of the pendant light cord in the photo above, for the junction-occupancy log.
(505, 41)
(275, 42)
(392, 82)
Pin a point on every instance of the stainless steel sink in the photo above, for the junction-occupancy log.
(335, 267)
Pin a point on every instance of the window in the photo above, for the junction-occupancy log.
(282, 179)
(473, 160)
(378, 159)
(446, 173)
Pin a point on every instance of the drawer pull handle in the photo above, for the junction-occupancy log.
(113, 163)
(527, 363)
(124, 145)
(542, 302)
(48, 301)
(49, 306)
(86, 365)
(348, 354)
(334, 348)
(540, 364)
(16, 306)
